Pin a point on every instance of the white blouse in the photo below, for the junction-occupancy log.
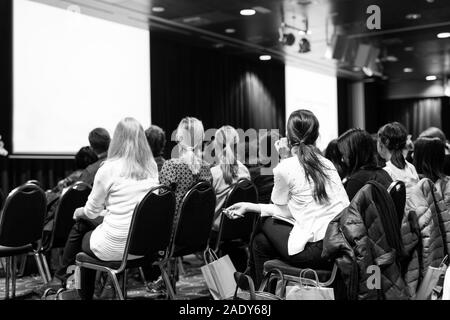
(408, 175)
(115, 198)
(293, 195)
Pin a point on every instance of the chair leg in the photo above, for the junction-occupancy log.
(181, 270)
(169, 285)
(116, 285)
(40, 267)
(7, 273)
(141, 273)
(23, 264)
(124, 284)
(46, 268)
(13, 271)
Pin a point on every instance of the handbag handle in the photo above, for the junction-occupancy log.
(211, 254)
(304, 280)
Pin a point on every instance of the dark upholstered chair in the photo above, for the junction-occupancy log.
(149, 237)
(21, 225)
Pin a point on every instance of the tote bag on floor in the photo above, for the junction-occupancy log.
(307, 289)
(219, 276)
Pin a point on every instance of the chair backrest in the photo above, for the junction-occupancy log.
(22, 217)
(2, 199)
(152, 223)
(243, 191)
(195, 220)
(397, 191)
(75, 197)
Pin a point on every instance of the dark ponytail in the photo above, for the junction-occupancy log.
(303, 132)
(394, 136)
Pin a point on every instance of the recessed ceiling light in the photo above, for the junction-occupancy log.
(413, 16)
(230, 30)
(158, 9)
(265, 57)
(431, 78)
(409, 49)
(248, 12)
(443, 35)
(408, 70)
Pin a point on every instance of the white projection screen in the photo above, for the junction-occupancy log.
(74, 73)
(316, 92)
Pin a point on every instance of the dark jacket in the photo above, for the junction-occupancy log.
(359, 179)
(443, 200)
(421, 234)
(88, 174)
(367, 234)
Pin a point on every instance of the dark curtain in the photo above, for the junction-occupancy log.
(219, 89)
(416, 114)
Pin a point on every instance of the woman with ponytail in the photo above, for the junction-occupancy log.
(188, 168)
(307, 195)
(229, 170)
(392, 140)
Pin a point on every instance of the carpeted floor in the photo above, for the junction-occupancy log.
(190, 286)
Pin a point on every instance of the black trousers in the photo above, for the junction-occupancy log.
(270, 241)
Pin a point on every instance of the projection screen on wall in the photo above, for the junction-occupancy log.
(73, 73)
(316, 92)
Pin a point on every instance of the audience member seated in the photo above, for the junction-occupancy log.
(429, 157)
(84, 158)
(379, 160)
(262, 174)
(3, 151)
(358, 154)
(99, 139)
(156, 138)
(308, 193)
(392, 140)
(183, 172)
(229, 169)
(438, 133)
(333, 154)
(121, 182)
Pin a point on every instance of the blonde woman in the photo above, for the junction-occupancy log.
(229, 170)
(120, 184)
(183, 172)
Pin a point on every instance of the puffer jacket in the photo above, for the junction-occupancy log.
(363, 235)
(443, 201)
(421, 234)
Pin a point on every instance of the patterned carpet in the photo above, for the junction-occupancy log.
(190, 286)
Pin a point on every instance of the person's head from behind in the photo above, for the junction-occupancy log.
(156, 138)
(357, 150)
(99, 139)
(333, 154)
(392, 140)
(434, 132)
(226, 141)
(130, 147)
(190, 135)
(429, 157)
(303, 132)
(85, 157)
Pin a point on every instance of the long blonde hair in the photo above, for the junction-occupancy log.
(129, 146)
(227, 140)
(190, 136)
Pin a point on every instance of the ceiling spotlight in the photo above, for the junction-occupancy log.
(443, 35)
(408, 70)
(431, 78)
(409, 49)
(413, 16)
(230, 30)
(158, 9)
(248, 12)
(265, 57)
(305, 46)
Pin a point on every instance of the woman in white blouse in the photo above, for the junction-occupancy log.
(120, 184)
(308, 194)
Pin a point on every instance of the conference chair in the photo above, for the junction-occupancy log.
(148, 238)
(2, 199)
(193, 228)
(397, 191)
(240, 229)
(21, 224)
(75, 197)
